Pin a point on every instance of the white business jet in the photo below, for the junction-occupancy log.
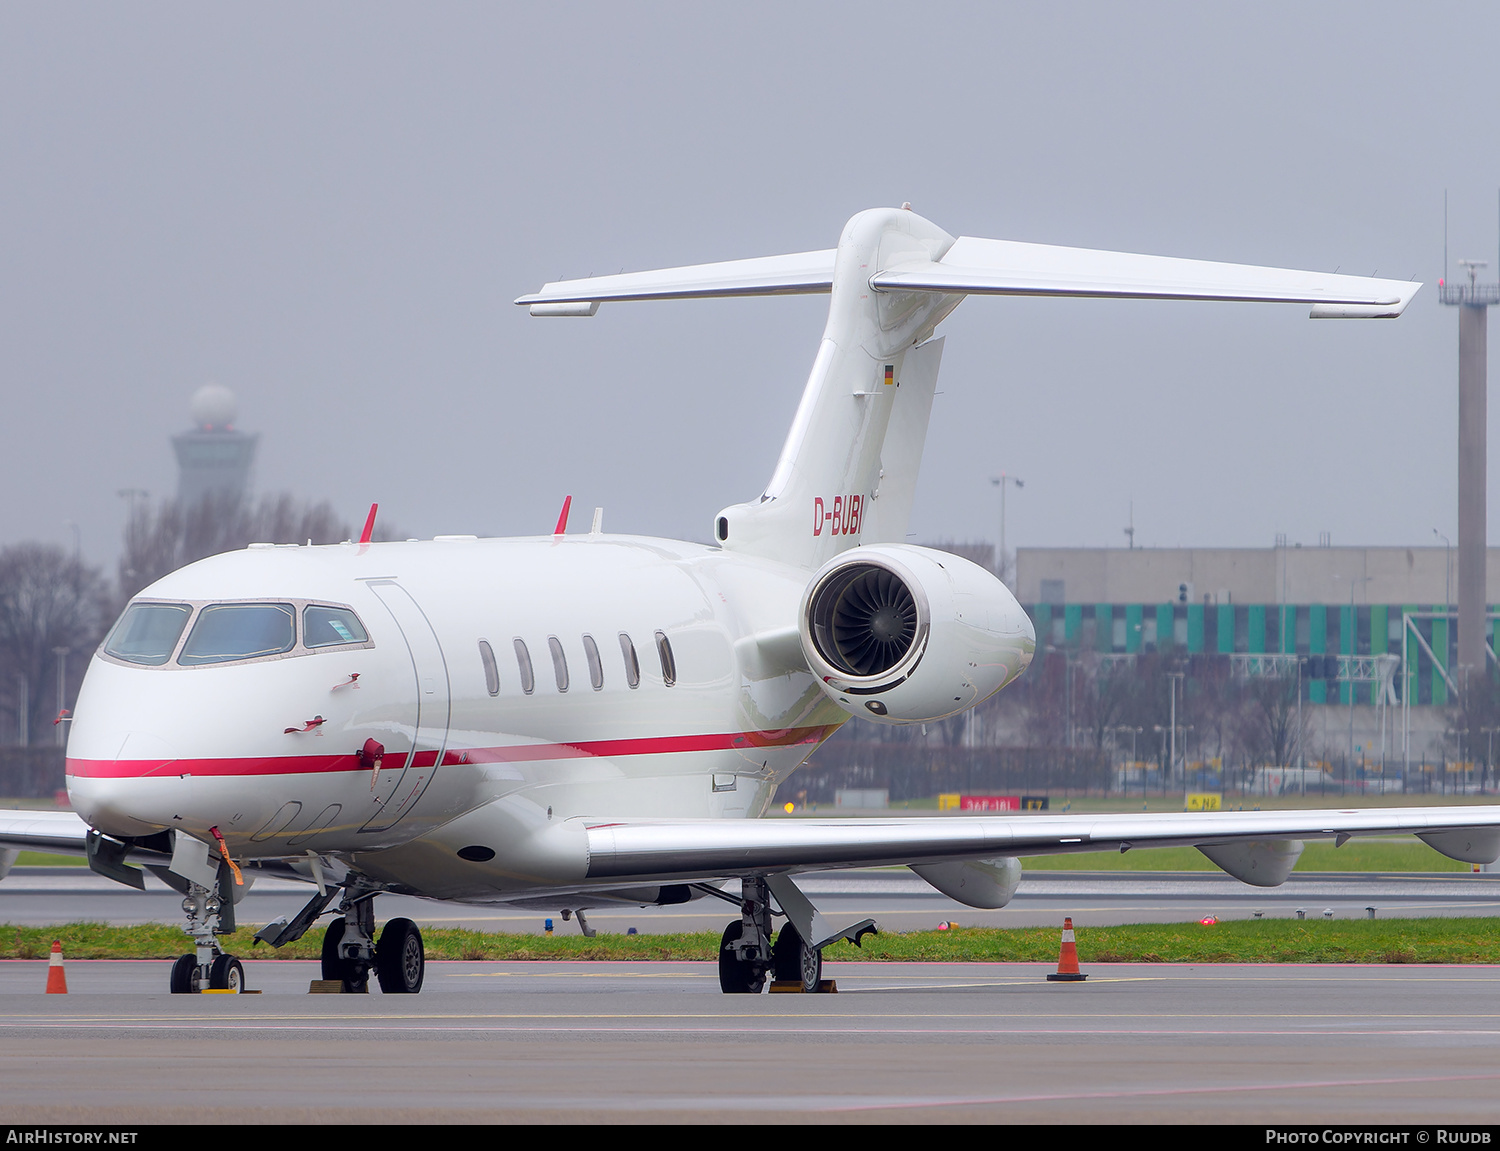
(579, 719)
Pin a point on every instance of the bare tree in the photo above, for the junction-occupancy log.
(1269, 730)
(161, 540)
(48, 601)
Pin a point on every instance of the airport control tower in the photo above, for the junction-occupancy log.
(1473, 300)
(214, 458)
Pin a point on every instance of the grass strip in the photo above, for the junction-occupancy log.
(1466, 940)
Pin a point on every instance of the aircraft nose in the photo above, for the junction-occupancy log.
(122, 792)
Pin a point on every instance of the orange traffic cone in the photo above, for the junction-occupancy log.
(57, 979)
(1067, 960)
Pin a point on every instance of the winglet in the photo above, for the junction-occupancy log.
(364, 536)
(562, 519)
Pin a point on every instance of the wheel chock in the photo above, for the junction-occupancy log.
(794, 987)
(57, 978)
(326, 987)
(1067, 959)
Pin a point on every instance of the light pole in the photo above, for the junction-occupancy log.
(1353, 650)
(1175, 678)
(1001, 481)
(62, 691)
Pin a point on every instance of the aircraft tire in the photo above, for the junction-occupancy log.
(227, 974)
(337, 967)
(400, 963)
(793, 960)
(183, 970)
(736, 976)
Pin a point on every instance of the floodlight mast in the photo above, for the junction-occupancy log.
(1473, 300)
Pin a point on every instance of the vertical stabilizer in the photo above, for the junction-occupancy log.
(857, 437)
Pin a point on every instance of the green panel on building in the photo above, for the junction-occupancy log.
(1317, 644)
(1195, 627)
(1380, 640)
(1072, 622)
(1439, 649)
(1226, 628)
(1042, 614)
(1133, 616)
(1104, 627)
(1165, 634)
(1256, 620)
(1288, 616)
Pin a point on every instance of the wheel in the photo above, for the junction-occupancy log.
(335, 966)
(793, 959)
(738, 976)
(399, 960)
(227, 974)
(183, 971)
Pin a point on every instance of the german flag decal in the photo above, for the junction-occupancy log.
(890, 374)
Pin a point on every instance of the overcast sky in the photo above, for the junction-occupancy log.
(329, 208)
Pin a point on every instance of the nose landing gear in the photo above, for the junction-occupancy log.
(210, 914)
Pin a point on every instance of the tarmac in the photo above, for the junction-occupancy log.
(657, 1042)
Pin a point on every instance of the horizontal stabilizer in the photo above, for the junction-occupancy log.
(799, 273)
(1007, 268)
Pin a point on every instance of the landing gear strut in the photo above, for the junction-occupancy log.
(745, 949)
(349, 943)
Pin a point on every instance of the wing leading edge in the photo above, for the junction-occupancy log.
(717, 848)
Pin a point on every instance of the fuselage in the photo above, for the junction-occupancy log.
(635, 703)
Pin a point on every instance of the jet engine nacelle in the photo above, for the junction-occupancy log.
(901, 634)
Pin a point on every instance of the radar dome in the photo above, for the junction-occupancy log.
(213, 407)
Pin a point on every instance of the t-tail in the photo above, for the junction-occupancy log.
(847, 473)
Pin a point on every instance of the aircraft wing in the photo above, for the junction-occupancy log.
(716, 848)
(1008, 268)
(59, 832)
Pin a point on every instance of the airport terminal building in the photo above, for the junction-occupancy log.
(1313, 602)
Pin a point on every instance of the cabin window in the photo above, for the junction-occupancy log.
(632, 665)
(231, 631)
(329, 626)
(523, 661)
(596, 665)
(147, 633)
(559, 662)
(491, 669)
(668, 664)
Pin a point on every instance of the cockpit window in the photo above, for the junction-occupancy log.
(230, 631)
(147, 633)
(327, 626)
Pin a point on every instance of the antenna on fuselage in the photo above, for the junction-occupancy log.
(562, 518)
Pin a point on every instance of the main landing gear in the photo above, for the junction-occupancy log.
(350, 952)
(747, 955)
